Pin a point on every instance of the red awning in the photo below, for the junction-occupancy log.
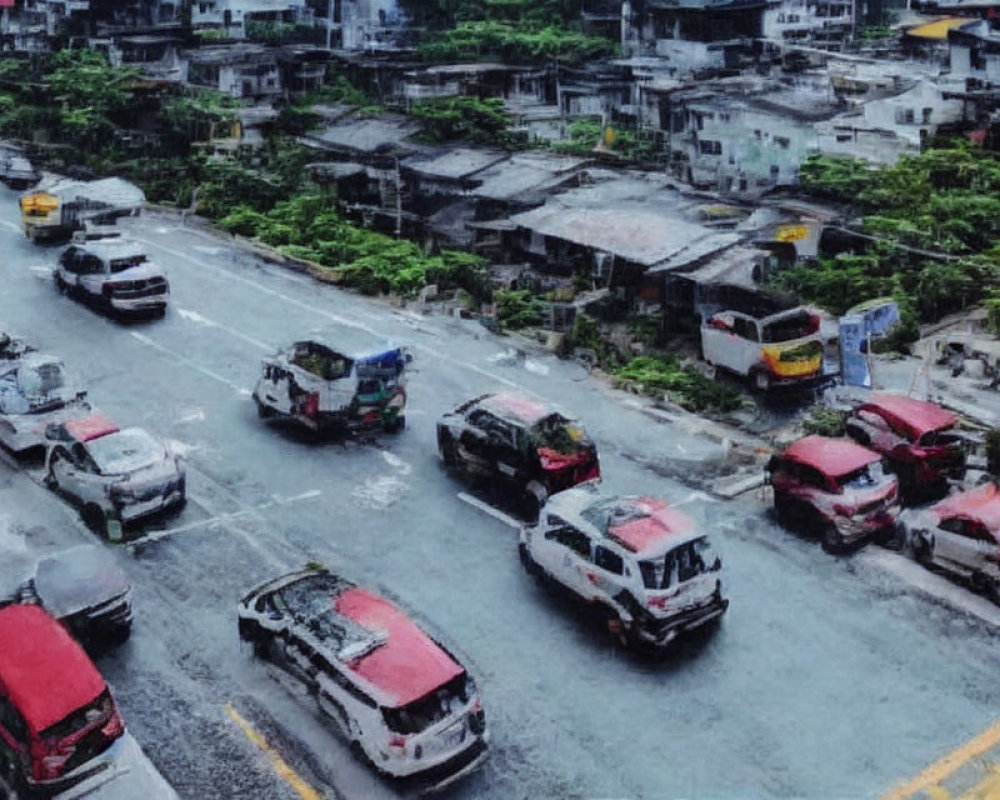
(909, 417)
(45, 672)
(832, 457)
(410, 664)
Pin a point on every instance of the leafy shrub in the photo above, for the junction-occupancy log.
(685, 386)
(517, 308)
(825, 421)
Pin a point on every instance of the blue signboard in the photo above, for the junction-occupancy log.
(853, 360)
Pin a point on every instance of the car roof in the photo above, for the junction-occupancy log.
(409, 665)
(517, 407)
(981, 504)
(642, 525)
(72, 580)
(86, 429)
(112, 247)
(834, 457)
(38, 654)
(914, 417)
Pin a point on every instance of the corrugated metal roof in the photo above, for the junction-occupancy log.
(638, 234)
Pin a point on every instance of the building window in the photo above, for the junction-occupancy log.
(927, 115)
(707, 147)
(782, 142)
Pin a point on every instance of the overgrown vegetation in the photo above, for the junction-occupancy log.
(655, 375)
(464, 118)
(930, 221)
(584, 135)
(517, 308)
(306, 227)
(825, 421)
(518, 41)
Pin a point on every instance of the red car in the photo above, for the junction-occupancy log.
(920, 441)
(835, 489)
(58, 720)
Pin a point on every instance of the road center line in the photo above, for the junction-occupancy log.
(939, 770)
(475, 502)
(188, 362)
(290, 776)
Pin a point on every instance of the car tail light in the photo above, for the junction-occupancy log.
(844, 511)
(114, 727)
(311, 407)
(52, 765)
(658, 602)
(397, 745)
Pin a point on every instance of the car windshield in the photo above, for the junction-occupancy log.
(864, 478)
(439, 704)
(555, 432)
(681, 564)
(125, 451)
(122, 264)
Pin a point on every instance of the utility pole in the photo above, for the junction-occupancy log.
(329, 23)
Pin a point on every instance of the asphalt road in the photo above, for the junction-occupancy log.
(830, 677)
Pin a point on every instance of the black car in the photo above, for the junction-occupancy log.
(522, 444)
(86, 590)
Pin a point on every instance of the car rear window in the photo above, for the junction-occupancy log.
(555, 432)
(792, 327)
(125, 451)
(95, 713)
(421, 714)
(681, 564)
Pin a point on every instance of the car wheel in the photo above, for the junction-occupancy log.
(923, 550)
(95, 519)
(892, 537)
(533, 499)
(449, 454)
(529, 564)
(263, 411)
(50, 480)
(984, 585)
(121, 633)
(831, 539)
(61, 285)
(785, 509)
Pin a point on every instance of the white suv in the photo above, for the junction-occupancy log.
(407, 706)
(643, 565)
(112, 273)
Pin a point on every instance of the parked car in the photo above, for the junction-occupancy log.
(920, 440)
(58, 721)
(86, 590)
(524, 445)
(961, 534)
(115, 475)
(780, 350)
(35, 392)
(16, 171)
(404, 702)
(112, 273)
(645, 567)
(834, 488)
(326, 390)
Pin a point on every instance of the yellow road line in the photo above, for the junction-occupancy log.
(304, 790)
(933, 775)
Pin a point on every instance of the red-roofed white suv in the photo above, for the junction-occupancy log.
(405, 703)
(645, 567)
